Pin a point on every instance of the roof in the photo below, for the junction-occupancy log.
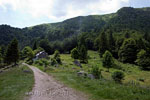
(40, 53)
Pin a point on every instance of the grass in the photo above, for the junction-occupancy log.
(104, 89)
(15, 83)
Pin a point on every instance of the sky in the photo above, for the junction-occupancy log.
(25, 13)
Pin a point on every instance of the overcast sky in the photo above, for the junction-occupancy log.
(24, 13)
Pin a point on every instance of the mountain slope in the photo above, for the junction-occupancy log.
(126, 18)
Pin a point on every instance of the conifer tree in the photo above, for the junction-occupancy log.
(146, 36)
(1, 58)
(12, 53)
(141, 44)
(111, 42)
(83, 54)
(103, 44)
(128, 51)
(35, 45)
(82, 49)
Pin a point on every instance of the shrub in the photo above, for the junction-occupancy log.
(57, 57)
(45, 62)
(118, 76)
(107, 60)
(36, 62)
(40, 63)
(75, 53)
(53, 61)
(141, 79)
(96, 72)
(143, 60)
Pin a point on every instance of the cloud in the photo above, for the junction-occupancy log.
(58, 10)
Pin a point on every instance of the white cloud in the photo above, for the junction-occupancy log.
(62, 9)
(107, 6)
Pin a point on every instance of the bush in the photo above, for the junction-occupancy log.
(118, 76)
(141, 79)
(107, 60)
(39, 62)
(36, 62)
(143, 60)
(45, 62)
(96, 72)
(53, 61)
(75, 53)
(57, 57)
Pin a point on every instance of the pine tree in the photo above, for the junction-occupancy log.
(128, 51)
(35, 45)
(107, 60)
(3, 49)
(82, 49)
(83, 54)
(102, 44)
(1, 58)
(111, 43)
(141, 44)
(12, 53)
(146, 36)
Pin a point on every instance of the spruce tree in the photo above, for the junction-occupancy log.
(146, 36)
(111, 43)
(1, 58)
(12, 53)
(35, 45)
(141, 44)
(128, 51)
(103, 44)
(83, 54)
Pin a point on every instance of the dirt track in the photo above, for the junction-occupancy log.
(46, 88)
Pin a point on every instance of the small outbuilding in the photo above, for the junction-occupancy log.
(41, 55)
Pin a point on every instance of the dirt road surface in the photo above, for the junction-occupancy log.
(47, 88)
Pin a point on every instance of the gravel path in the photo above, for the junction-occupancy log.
(46, 88)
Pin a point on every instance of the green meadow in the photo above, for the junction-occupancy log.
(15, 83)
(135, 85)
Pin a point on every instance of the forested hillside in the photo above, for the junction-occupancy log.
(62, 34)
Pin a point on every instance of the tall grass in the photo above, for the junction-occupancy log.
(15, 83)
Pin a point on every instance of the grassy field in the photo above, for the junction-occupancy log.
(15, 83)
(104, 89)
